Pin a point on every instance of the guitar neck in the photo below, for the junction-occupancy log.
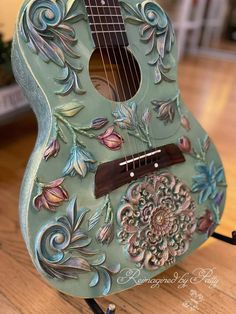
(106, 23)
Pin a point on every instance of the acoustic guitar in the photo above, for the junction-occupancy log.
(123, 182)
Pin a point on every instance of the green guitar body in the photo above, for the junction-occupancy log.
(90, 246)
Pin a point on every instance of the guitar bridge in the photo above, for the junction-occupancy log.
(114, 174)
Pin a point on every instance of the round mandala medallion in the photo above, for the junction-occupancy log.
(157, 220)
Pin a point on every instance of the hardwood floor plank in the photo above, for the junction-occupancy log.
(7, 307)
(28, 292)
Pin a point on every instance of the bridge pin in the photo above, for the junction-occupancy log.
(132, 174)
(156, 165)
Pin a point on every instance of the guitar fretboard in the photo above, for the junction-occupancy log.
(106, 23)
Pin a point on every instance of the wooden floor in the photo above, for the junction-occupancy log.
(209, 89)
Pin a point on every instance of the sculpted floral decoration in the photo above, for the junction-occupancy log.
(50, 195)
(127, 118)
(105, 233)
(207, 180)
(157, 32)
(46, 26)
(206, 223)
(63, 251)
(166, 111)
(80, 161)
(157, 220)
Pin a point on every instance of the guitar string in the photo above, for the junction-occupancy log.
(104, 65)
(130, 69)
(137, 76)
(135, 82)
(107, 50)
(119, 74)
(103, 61)
(124, 68)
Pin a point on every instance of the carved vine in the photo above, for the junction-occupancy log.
(80, 161)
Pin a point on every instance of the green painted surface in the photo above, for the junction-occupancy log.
(37, 79)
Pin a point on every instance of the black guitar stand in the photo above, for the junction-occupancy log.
(96, 309)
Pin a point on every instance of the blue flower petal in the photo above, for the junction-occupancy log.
(212, 169)
(201, 178)
(202, 168)
(80, 162)
(219, 175)
(206, 194)
(199, 186)
(205, 182)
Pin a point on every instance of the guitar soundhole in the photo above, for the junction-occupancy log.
(115, 73)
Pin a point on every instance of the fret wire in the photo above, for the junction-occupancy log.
(121, 24)
(103, 11)
(95, 2)
(102, 20)
(103, 6)
(105, 27)
(119, 15)
(111, 31)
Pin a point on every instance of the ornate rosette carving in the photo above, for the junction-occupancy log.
(157, 220)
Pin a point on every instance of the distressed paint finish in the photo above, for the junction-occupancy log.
(72, 127)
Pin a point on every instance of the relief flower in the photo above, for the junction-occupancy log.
(111, 139)
(146, 118)
(219, 198)
(125, 115)
(80, 162)
(51, 195)
(185, 144)
(165, 110)
(206, 223)
(199, 153)
(105, 234)
(205, 183)
(185, 123)
(206, 144)
(98, 123)
(52, 149)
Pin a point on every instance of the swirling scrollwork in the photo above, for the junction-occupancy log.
(45, 26)
(157, 220)
(156, 31)
(62, 251)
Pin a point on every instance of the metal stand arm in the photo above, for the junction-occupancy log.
(224, 238)
(96, 309)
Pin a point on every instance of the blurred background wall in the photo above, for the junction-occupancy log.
(8, 12)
